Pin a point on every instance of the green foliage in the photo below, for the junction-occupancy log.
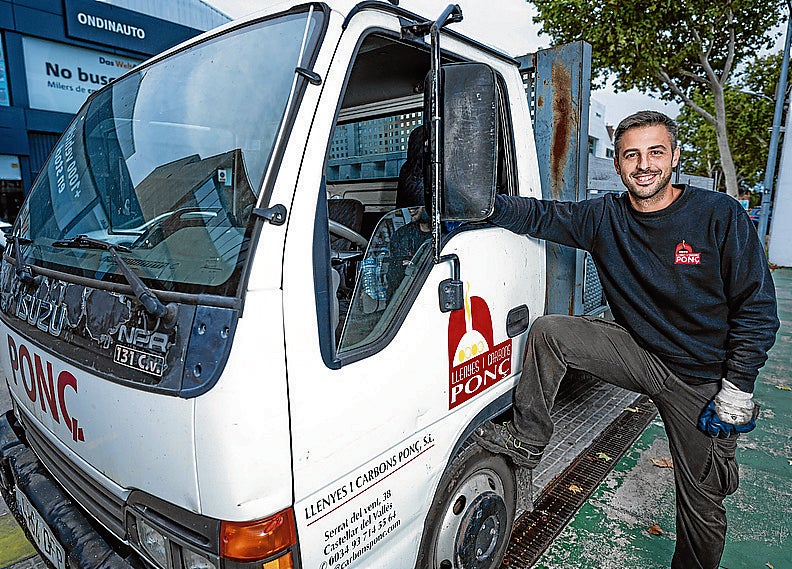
(750, 117)
(637, 41)
(680, 49)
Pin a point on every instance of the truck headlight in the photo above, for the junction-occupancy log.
(153, 542)
(194, 560)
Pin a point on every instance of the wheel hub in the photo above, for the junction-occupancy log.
(480, 530)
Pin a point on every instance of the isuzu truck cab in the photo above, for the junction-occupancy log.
(238, 333)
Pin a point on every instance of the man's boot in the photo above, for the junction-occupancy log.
(502, 439)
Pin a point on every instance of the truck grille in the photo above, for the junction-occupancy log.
(103, 505)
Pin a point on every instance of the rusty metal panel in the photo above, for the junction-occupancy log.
(558, 86)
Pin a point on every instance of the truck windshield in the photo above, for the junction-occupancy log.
(168, 162)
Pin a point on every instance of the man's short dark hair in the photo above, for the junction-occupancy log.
(643, 119)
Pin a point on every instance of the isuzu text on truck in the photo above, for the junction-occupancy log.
(233, 340)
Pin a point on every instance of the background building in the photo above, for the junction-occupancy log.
(54, 53)
(599, 137)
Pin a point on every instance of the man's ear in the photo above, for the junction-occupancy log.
(616, 164)
(675, 157)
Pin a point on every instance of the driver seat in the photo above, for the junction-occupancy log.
(349, 213)
(410, 188)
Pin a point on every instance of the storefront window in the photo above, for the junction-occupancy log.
(11, 194)
(5, 100)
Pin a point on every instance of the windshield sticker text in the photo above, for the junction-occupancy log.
(64, 163)
(41, 384)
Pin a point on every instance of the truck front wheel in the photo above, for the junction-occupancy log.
(471, 518)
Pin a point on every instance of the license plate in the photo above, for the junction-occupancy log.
(41, 532)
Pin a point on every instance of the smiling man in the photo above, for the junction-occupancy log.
(694, 310)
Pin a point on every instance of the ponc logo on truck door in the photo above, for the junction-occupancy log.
(476, 363)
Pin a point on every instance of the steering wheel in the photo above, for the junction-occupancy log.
(345, 232)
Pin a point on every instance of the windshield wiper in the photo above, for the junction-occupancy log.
(23, 271)
(144, 294)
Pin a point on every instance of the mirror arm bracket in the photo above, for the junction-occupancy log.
(276, 214)
(452, 14)
(312, 76)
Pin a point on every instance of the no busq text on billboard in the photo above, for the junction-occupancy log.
(60, 77)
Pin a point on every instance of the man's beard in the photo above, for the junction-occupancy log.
(646, 193)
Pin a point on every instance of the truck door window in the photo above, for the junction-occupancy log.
(399, 247)
(380, 119)
(382, 105)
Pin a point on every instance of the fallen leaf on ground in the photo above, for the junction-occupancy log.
(631, 409)
(783, 387)
(655, 530)
(768, 564)
(575, 488)
(663, 462)
(603, 456)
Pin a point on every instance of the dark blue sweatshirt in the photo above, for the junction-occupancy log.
(690, 282)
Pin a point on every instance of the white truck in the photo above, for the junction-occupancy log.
(233, 341)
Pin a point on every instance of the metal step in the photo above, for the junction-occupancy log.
(593, 420)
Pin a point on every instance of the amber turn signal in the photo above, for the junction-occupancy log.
(283, 562)
(251, 541)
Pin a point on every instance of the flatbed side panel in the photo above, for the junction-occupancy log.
(558, 91)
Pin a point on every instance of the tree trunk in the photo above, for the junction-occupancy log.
(721, 134)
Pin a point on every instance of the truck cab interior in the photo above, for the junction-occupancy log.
(378, 223)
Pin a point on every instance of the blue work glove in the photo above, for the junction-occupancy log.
(731, 412)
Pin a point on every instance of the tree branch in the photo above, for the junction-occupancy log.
(703, 57)
(694, 77)
(727, 66)
(663, 77)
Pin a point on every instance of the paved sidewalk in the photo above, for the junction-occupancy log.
(612, 531)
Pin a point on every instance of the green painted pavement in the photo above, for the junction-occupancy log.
(14, 546)
(611, 530)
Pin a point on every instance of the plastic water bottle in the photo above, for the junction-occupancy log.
(373, 286)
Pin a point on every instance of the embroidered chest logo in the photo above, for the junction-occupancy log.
(684, 255)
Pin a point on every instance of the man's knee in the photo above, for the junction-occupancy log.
(551, 326)
(549, 323)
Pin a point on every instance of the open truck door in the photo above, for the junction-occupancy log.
(392, 371)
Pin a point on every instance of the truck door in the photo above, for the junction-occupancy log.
(382, 383)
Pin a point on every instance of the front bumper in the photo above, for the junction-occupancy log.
(20, 469)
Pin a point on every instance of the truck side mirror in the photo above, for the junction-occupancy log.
(470, 140)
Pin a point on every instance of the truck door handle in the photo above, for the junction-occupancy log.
(517, 320)
(450, 291)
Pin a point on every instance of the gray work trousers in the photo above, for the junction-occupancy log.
(705, 469)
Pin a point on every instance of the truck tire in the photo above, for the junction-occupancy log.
(472, 514)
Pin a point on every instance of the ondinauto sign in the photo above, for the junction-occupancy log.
(60, 77)
(110, 25)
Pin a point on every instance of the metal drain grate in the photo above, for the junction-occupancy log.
(561, 499)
